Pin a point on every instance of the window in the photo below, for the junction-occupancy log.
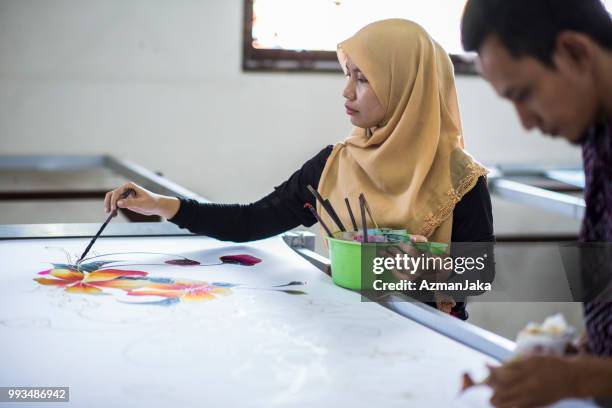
(301, 35)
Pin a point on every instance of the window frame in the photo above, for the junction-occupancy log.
(273, 60)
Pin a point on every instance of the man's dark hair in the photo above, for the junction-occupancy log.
(531, 27)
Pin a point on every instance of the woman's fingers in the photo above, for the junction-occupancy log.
(114, 199)
(418, 238)
(403, 249)
(135, 198)
(107, 199)
(127, 202)
(117, 193)
(407, 248)
(399, 275)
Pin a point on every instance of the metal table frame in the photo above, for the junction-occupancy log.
(463, 332)
(552, 199)
(131, 171)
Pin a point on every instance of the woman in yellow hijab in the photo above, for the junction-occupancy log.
(408, 157)
(405, 154)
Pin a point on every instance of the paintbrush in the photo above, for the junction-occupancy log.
(328, 207)
(314, 212)
(364, 222)
(334, 215)
(367, 207)
(113, 213)
(348, 207)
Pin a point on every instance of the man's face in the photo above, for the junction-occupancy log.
(560, 101)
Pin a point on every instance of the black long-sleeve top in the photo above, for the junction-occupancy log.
(283, 210)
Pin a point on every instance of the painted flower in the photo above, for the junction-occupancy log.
(182, 290)
(91, 277)
(242, 259)
(75, 280)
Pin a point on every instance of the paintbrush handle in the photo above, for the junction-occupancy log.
(314, 213)
(367, 207)
(332, 213)
(350, 211)
(363, 217)
(327, 206)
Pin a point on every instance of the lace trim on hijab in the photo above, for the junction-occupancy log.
(434, 220)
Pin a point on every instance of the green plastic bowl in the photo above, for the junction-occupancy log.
(350, 258)
(346, 262)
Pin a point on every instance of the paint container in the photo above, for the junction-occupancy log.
(351, 258)
(346, 260)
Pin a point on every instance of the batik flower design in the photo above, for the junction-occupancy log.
(174, 291)
(240, 259)
(77, 280)
(92, 277)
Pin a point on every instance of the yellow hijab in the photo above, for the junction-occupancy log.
(412, 168)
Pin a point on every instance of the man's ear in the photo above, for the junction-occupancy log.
(575, 50)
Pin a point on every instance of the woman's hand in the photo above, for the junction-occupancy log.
(141, 201)
(402, 248)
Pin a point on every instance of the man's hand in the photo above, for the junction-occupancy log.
(534, 381)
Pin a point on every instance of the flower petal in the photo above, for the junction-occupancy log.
(204, 293)
(242, 259)
(93, 266)
(220, 291)
(52, 282)
(177, 285)
(70, 275)
(197, 296)
(126, 284)
(110, 274)
(162, 293)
